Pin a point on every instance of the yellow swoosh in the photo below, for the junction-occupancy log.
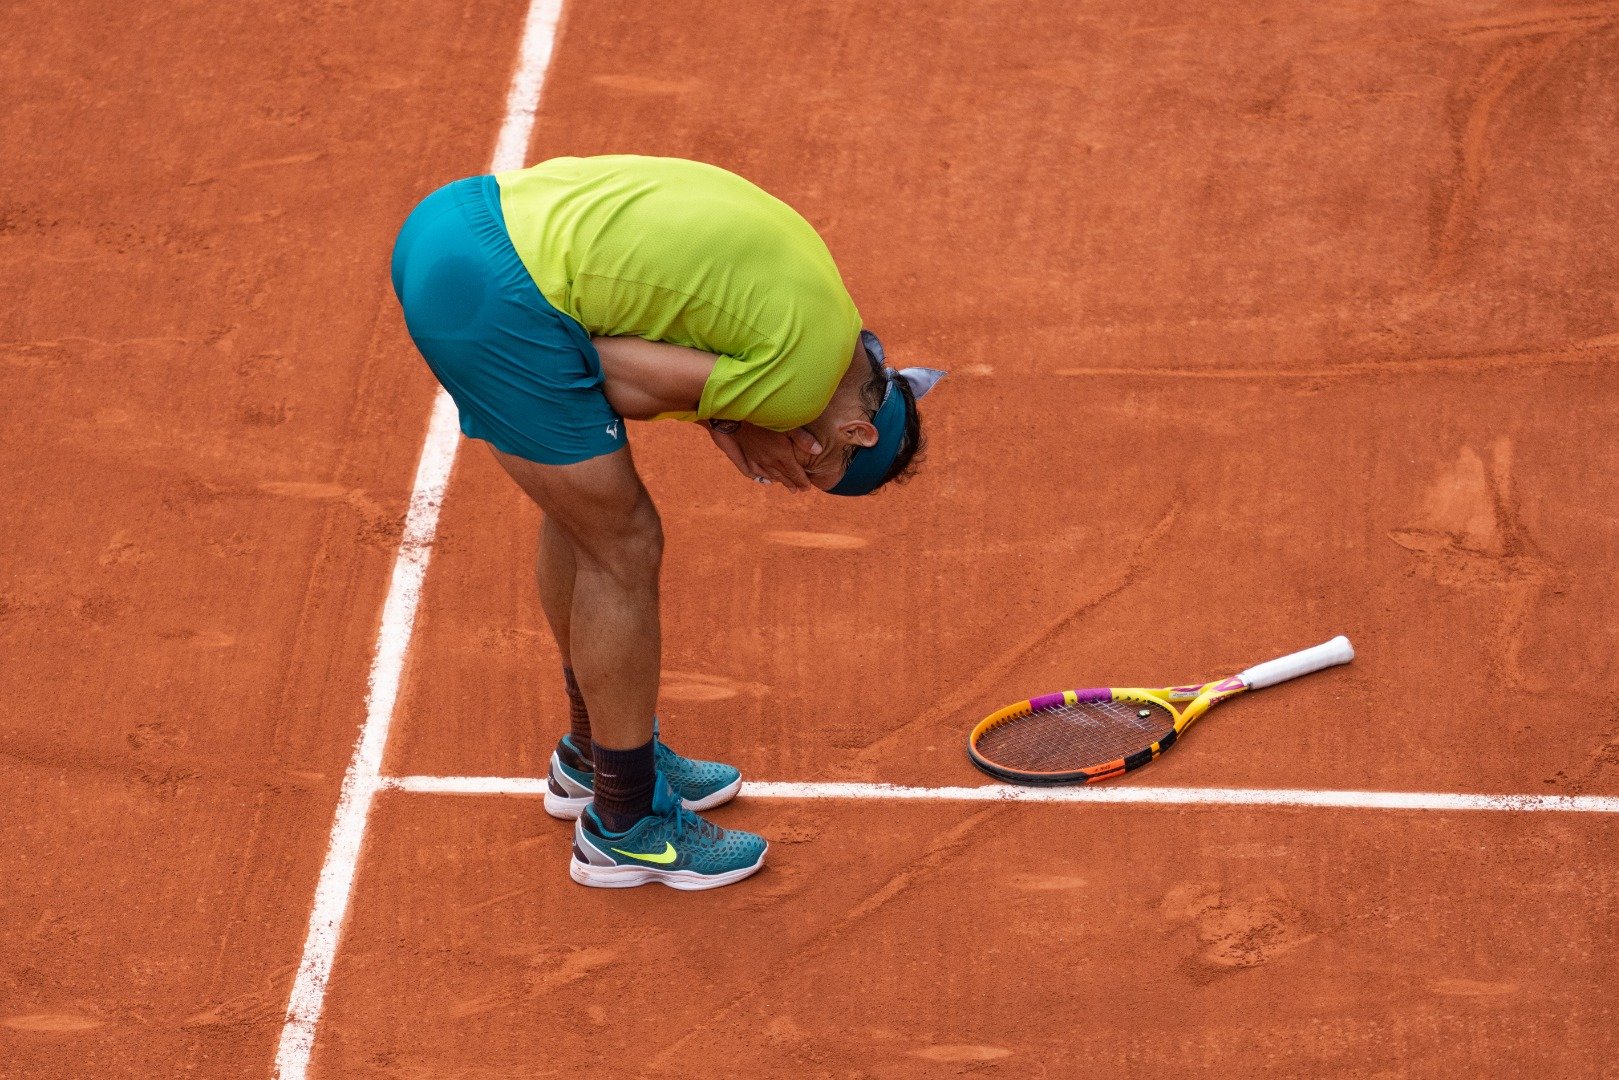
(667, 855)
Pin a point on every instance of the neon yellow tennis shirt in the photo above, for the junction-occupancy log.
(683, 252)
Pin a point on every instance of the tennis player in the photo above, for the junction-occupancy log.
(556, 302)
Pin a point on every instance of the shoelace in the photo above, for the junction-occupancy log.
(673, 766)
(690, 824)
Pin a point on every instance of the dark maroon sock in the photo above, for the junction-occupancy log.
(624, 781)
(578, 715)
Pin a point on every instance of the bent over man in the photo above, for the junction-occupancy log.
(554, 303)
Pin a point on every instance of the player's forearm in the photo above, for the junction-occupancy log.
(644, 378)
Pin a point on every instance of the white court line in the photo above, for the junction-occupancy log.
(364, 776)
(1164, 796)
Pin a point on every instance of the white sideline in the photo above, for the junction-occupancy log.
(363, 779)
(1099, 793)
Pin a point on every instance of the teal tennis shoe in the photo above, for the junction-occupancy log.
(670, 846)
(701, 785)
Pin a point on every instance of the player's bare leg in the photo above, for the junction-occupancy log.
(555, 572)
(606, 617)
(636, 827)
(555, 569)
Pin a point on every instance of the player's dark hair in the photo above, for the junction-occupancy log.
(910, 454)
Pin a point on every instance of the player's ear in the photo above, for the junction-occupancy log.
(859, 432)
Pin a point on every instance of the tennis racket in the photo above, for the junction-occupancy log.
(1080, 736)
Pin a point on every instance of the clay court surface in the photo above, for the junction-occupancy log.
(1267, 321)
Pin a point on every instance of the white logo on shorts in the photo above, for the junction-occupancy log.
(612, 429)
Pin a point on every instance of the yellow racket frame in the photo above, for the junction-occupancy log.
(1199, 700)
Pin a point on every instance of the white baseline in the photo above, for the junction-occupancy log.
(1163, 796)
(363, 778)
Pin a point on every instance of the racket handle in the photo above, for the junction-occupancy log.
(1271, 672)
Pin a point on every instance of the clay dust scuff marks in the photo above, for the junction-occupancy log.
(1468, 536)
(121, 550)
(1574, 18)
(546, 970)
(796, 825)
(208, 639)
(1047, 882)
(51, 1023)
(512, 641)
(1241, 929)
(32, 354)
(788, 878)
(701, 686)
(78, 351)
(378, 524)
(820, 541)
(501, 899)
(156, 736)
(261, 1005)
(209, 176)
(941, 850)
(159, 765)
(962, 1053)
(1605, 756)
(306, 158)
(263, 414)
(1473, 109)
(1459, 511)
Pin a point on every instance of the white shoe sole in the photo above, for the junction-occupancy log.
(627, 877)
(568, 808)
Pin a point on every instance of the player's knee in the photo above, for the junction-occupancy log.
(646, 536)
(633, 553)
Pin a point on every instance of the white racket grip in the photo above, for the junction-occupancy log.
(1283, 668)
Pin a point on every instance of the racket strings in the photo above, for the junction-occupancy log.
(1073, 737)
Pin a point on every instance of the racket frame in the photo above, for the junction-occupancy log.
(1199, 698)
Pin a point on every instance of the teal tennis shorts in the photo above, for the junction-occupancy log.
(524, 376)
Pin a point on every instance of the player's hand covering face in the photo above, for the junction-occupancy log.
(769, 456)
